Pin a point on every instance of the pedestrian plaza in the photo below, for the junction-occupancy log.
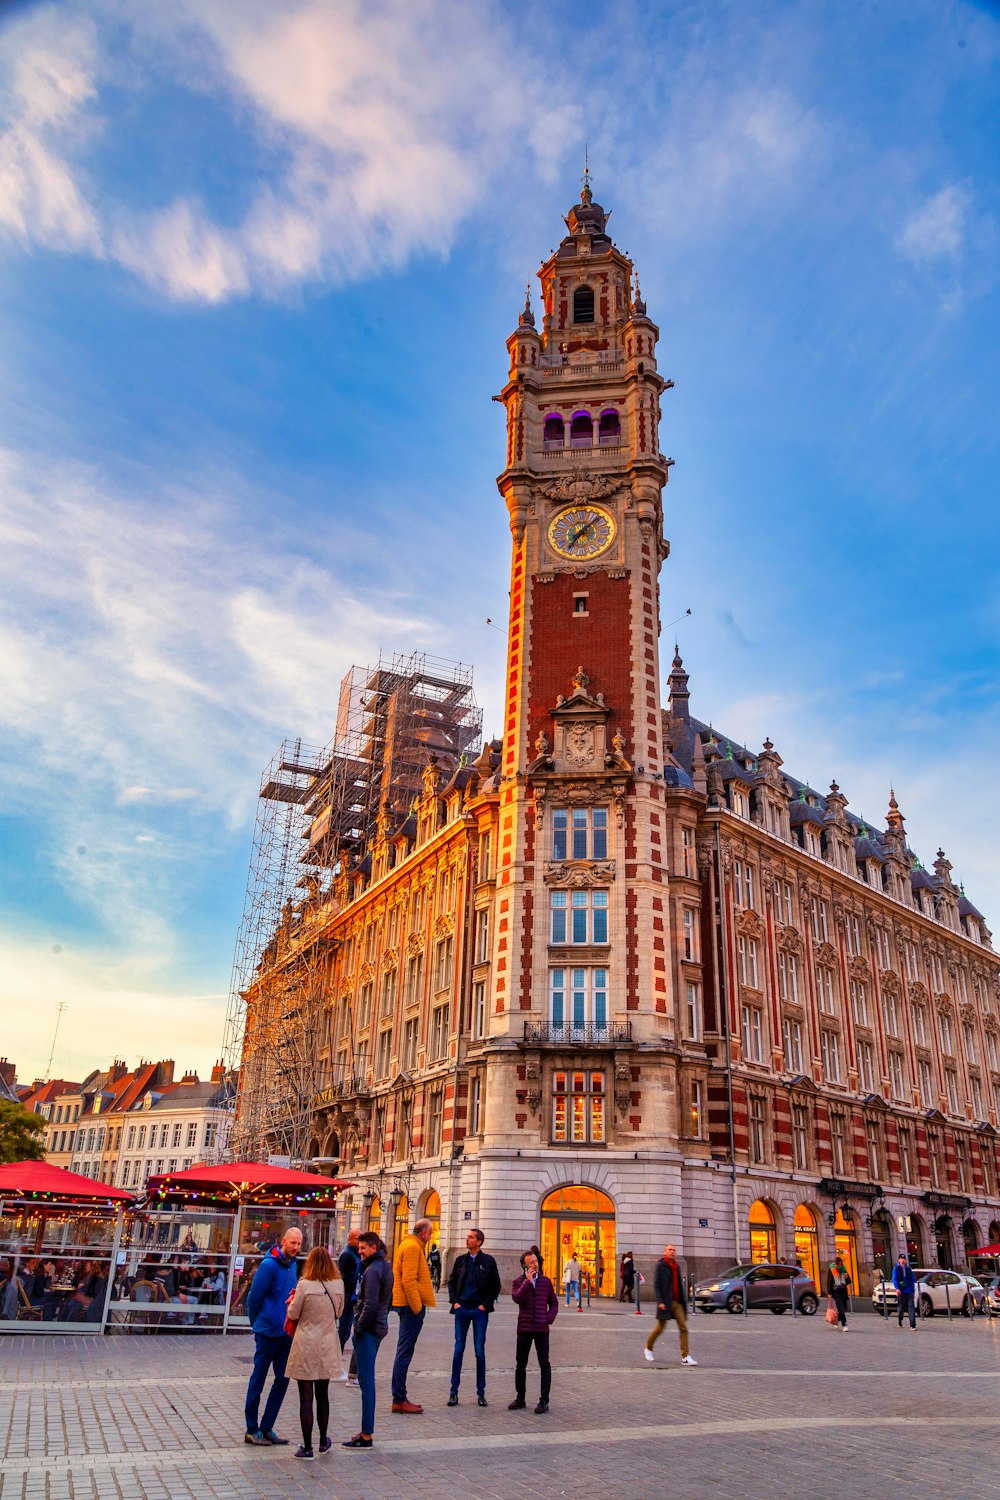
(774, 1404)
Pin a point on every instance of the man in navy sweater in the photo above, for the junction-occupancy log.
(267, 1304)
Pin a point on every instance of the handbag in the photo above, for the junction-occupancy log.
(831, 1311)
(292, 1323)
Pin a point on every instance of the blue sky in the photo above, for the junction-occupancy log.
(257, 264)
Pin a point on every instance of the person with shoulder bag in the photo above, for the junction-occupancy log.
(838, 1286)
(314, 1311)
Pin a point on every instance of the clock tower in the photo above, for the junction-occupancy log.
(582, 975)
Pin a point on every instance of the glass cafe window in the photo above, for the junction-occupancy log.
(580, 833)
(578, 1108)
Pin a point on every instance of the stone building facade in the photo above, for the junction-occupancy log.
(618, 980)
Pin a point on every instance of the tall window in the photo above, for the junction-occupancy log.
(962, 1163)
(130, 1138)
(688, 855)
(838, 1131)
(475, 1103)
(919, 1014)
(692, 1013)
(192, 1135)
(866, 1067)
(924, 1083)
(479, 1008)
(890, 1012)
(365, 1005)
(690, 934)
(934, 1157)
(818, 920)
(785, 901)
(578, 998)
(388, 993)
(830, 1053)
(883, 947)
(852, 931)
(788, 976)
(739, 800)
(989, 1168)
(579, 916)
(873, 1140)
(408, 1060)
(482, 936)
(579, 833)
(753, 1034)
(414, 979)
(992, 1054)
(905, 1137)
(793, 1045)
(578, 1107)
(435, 1114)
(910, 959)
(758, 1127)
(825, 990)
(951, 1090)
(697, 1089)
(442, 963)
(936, 969)
(896, 1075)
(859, 1002)
(969, 1042)
(384, 1053)
(439, 1030)
(945, 1033)
(746, 952)
(484, 856)
(976, 1091)
(583, 304)
(800, 1137)
(743, 883)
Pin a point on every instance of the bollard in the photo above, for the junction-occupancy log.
(947, 1298)
(638, 1292)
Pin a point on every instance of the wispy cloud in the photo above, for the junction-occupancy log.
(936, 230)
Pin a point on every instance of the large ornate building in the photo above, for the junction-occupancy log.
(619, 979)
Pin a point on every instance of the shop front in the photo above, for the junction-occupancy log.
(807, 1242)
(763, 1234)
(580, 1221)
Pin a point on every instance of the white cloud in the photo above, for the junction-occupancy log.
(363, 133)
(937, 229)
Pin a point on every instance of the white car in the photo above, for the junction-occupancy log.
(939, 1290)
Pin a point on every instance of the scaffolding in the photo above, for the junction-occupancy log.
(317, 807)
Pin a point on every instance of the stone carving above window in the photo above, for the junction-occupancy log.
(790, 940)
(858, 968)
(580, 875)
(445, 925)
(826, 954)
(749, 924)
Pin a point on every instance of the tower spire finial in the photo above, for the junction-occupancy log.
(586, 196)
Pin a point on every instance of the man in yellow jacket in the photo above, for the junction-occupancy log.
(412, 1295)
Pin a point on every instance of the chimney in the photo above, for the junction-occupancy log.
(8, 1072)
(190, 1077)
(119, 1068)
(164, 1071)
(218, 1072)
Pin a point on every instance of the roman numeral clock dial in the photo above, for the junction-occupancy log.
(582, 532)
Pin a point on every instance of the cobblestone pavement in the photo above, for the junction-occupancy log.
(775, 1404)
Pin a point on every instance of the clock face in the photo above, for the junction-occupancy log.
(582, 531)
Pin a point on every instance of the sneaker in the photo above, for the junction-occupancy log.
(516, 1405)
(357, 1441)
(687, 1360)
(453, 1399)
(649, 1356)
(325, 1445)
(340, 1377)
(305, 1453)
(541, 1408)
(275, 1441)
(354, 1381)
(843, 1327)
(257, 1438)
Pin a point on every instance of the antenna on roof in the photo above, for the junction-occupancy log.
(52, 1050)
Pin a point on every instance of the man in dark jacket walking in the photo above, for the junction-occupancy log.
(905, 1283)
(473, 1288)
(671, 1302)
(537, 1310)
(267, 1302)
(371, 1324)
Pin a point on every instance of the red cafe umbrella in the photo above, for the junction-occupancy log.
(986, 1250)
(245, 1182)
(40, 1182)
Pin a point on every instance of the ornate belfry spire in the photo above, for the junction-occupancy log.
(586, 196)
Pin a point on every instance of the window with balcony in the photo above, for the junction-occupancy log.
(579, 917)
(579, 833)
(581, 430)
(609, 429)
(578, 1000)
(553, 433)
(578, 1110)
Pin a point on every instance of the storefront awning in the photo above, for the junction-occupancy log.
(40, 1182)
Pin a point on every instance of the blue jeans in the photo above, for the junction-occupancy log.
(271, 1350)
(907, 1301)
(410, 1324)
(345, 1323)
(366, 1347)
(570, 1292)
(465, 1316)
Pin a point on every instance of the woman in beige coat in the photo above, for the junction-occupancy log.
(315, 1359)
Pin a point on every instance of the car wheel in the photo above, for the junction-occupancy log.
(779, 1310)
(734, 1302)
(808, 1305)
(708, 1309)
(926, 1307)
(966, 1308)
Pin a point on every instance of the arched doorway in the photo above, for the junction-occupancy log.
(807, 1242)
(943, 1242)
(915, 1241)
(432, 1211)
(970, 1239)
(580, 1220)
(375, 1217)
(881, 1245)
(763, 1233)
(845, 1241)
(401, 1222)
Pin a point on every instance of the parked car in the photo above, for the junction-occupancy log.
(991, 1289)
(937, 1290)
(885, 1294)
(769, 1286)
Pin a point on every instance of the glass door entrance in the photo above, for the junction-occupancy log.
(580, 1221)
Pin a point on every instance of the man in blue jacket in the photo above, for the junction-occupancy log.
(267, 1304)
(906, 1287)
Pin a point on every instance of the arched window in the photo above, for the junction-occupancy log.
(763, 1236)
(807, 1242)
(845, 1242)
(609, 430)
(915, 1241)
(554, 433)
(375, 1217)
(401, 1222)
(581, 431)
(583, 305)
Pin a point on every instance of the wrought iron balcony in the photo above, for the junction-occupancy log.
(545, 1034)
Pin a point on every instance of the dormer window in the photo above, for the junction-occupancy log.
(554, 433)
(581, 431)
(609, 430)
(739, 800)
(583, 305)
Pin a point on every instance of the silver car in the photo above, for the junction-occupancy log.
(770, 1286)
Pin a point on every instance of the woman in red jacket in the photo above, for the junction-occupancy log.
(537, 1309)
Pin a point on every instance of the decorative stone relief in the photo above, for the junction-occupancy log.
(826, 954)
(749, 924)
(445, 925)
(858, 968)
(790, 940)
(580, 876)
